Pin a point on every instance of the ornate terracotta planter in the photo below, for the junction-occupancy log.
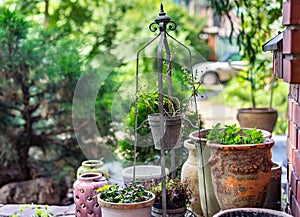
(241, 173)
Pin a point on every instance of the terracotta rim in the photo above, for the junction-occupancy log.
(257, 110)
(126, 206)
(195, 135)
(266, 143)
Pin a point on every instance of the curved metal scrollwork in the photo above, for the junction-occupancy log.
(172, 25)
(153, 27)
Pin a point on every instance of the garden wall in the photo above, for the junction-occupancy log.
(291, 74)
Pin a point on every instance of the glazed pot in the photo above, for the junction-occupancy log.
(84, 194)
(92, 166)
(262, 118)
(241, 173)
(126, 209)
(166, 130)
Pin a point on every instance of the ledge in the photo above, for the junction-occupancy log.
(12, 209)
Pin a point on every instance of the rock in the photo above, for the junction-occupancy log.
(37, 191)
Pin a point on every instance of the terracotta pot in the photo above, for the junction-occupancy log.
(189, 172)
(92, 166)
(209, 203)
(241, 173)
(262, 118)
(126, 209)
(84, 194)
(257, 212)
(166, 130)
(273, 200)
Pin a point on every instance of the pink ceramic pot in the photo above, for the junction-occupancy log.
(86, 204)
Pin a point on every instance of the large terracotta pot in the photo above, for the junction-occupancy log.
(262, 118)
(241, 173)
(126, 209)
(189, 172)
(166, 130)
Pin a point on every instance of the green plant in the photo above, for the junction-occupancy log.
(131, 193)
(177, 192)
(232, 134)
(258, 20)
(40, 211)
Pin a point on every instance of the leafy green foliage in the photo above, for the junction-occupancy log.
(40, 211)
(259, 18)
(232, 135)
(40, 69)
(131, 193)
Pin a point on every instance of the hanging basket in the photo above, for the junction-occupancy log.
(166, 130)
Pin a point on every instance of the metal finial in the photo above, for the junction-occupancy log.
(162, 17)
(162, 9)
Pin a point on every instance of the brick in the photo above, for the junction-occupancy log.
(298, 141)
(289, 193)
(294, 183)
(294, 92)
(291, 70)
(296, 114)
(291, 38)
(294, 136)
(295, 208)
(290, 170)
(290, 107)
(296, 163)
(290, 150)
(290, 13)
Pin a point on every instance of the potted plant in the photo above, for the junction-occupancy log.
(178, 195)
(166, 128)
(258, 78)
(197, 140)
(240, 165)
(131, 201)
